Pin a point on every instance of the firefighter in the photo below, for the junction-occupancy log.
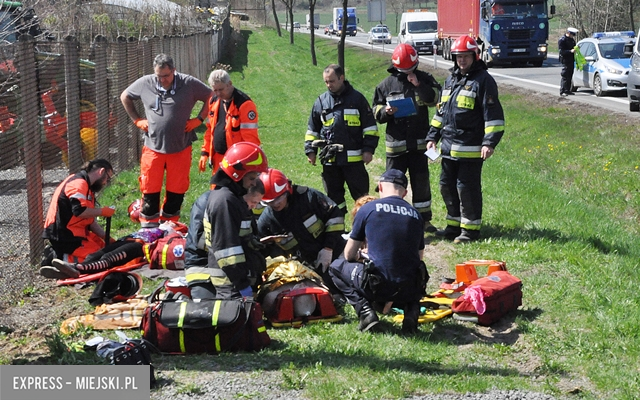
(233, 118)
(341, 126)
(469, 124)
(70, 225)
(406, 136)
(233, 267)
(566, 56)
(168, 97)
(311, 223)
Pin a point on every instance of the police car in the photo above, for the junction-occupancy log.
(607, 56)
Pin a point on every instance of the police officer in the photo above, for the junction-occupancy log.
(406, 134)
(233, 267)
(393, 269)
(469, 122)
(566, 45)
(342, 120)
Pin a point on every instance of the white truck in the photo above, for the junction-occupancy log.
(316, 21)
(419, 28)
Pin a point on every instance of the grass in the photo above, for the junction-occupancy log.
(561, 208)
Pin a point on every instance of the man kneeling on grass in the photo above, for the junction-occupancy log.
(392, 269)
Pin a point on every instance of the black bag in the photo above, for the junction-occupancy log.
(135, 352)
(207, 326)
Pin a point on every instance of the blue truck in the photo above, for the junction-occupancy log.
(507, 31)
(352, 21)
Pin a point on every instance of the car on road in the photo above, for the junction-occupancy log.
(607, 56)
(296, 25)
(633, 82)
(328, 30)
(379, 34)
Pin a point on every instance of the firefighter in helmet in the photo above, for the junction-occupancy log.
(233, 266)
(406, 134)
(469, 124)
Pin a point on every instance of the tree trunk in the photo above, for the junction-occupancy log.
(343, 34)
(275, 17)
(312, 27)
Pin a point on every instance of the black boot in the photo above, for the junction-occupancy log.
(410, 320)
(368, 318)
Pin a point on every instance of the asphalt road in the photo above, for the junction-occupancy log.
(545, 79)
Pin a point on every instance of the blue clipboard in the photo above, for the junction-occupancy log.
(406, 107)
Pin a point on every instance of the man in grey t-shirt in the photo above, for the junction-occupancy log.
(168, 97)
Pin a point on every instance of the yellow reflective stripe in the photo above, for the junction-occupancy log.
(470, 225)
(233, 260)
(147, 253)
(496, 125)
(328, 122)
(207, 231)
(436, 122)
(163, 263)
(218, 349)
(352, 120)
(289, 244)
(373, 131)
(183, 349)
(262, 329)
(334, 228)
(220, 281)
(354, 155)
(216, 312)
(466, 102)
(197, 277)
(310, 135)
(465, 151)
(378, 107)
(181, 314)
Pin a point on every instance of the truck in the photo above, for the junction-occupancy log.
(352, 21)
(507, 31)
(419, 28)
(316, 21)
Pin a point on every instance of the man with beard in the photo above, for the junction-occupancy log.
(406, 134)
(71, 225)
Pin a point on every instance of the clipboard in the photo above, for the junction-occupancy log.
(406, 107)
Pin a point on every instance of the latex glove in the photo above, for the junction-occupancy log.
(142, 124)
(324, 259)
(192, 124)
(246, 292)
(202, 164)
(107, 211)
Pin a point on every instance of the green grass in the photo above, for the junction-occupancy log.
(561, 208)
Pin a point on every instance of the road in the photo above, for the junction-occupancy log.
(545, 79)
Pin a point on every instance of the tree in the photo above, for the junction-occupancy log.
(343, 34)
(289, 5)
(312, 27)
(275, 17)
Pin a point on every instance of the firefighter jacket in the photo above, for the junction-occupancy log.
(406, 133)
(195, 251)
(565, 45)
(312, 222)
(241, 123)
(63, 224)
(226, 229)
(346, 119)
(469, 114)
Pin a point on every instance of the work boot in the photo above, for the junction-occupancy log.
(466, 237)
(429, 228)
(368, 318)
(449, 233)
(410, 320)
(67, 268)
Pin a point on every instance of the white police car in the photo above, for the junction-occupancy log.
(607, 56)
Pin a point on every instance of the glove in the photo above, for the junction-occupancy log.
(202, 164)
(324, 259)
(142, 123)
(107, 211)
(192, 124)
(246, 292)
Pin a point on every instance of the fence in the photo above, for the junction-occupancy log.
(59, 107)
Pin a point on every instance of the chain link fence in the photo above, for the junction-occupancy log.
(60, 107)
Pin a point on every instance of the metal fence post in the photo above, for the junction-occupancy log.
(103, 110)
(72, 92)
(32, 154)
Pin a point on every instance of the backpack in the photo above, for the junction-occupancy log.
(166, 252)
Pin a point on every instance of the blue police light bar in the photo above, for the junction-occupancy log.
(600, 35)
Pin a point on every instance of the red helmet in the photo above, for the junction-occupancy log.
(134, 210)
(241, 158)
(465, 44)
(275, 183)
(404, 57)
